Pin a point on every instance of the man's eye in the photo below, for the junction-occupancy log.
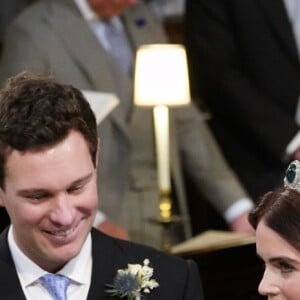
(37, 197)
(75, 189)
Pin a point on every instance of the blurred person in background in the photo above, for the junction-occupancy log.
(245, 68)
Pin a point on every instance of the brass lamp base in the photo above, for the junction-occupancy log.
(167, 224)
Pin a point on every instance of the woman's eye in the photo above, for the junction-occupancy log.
(285, 267)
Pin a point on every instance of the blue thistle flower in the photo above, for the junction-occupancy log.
(126, 283)
(133, 282)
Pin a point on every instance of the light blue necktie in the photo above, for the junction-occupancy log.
(120, 47)
(56, 285)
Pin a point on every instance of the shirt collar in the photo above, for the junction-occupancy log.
(86, 11)
(29, 272)
(91, 17)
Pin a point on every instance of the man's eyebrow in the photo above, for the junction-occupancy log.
(82, 180)
(30, 191)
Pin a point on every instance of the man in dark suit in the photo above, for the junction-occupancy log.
(49, 146)
(245, 65)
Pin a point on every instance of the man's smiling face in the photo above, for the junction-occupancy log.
(51, 197)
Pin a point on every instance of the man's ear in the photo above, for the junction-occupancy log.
(97, 153)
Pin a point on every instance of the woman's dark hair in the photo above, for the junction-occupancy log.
(280, 211)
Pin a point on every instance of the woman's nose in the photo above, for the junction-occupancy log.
(268, 285)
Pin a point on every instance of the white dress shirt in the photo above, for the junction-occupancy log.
(167, 8)
(78, 269)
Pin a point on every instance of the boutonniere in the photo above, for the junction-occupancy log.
(133, 282)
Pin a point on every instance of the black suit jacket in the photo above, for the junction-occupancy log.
(177, 278)
(245, 65)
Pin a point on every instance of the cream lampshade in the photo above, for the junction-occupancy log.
(161, 75)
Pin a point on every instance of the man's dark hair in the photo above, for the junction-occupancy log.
(37, 112)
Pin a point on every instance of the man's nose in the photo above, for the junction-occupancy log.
(62, 211)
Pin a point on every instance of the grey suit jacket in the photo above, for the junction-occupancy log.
(52, 37)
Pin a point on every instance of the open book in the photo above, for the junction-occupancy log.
(212, 240)
(101, 103)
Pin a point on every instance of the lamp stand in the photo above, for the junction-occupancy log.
(161, 81)
(166, 219)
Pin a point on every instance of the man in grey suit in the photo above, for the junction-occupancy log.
(65, 38)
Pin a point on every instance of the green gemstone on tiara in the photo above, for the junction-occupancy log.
(290, 173)
(292, 176)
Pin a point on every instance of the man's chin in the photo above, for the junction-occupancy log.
(56, 258)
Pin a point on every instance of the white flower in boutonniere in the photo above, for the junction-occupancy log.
(133, 281)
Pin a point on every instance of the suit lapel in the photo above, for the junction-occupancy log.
(99, 270)
(108, 257)
(10, 287)
(276, 14)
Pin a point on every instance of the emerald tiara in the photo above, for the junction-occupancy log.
(292, 176)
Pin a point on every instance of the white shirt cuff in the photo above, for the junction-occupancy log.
(99, 218)
(238, 208)
(294, 144)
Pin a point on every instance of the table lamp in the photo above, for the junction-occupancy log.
(161, 81)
